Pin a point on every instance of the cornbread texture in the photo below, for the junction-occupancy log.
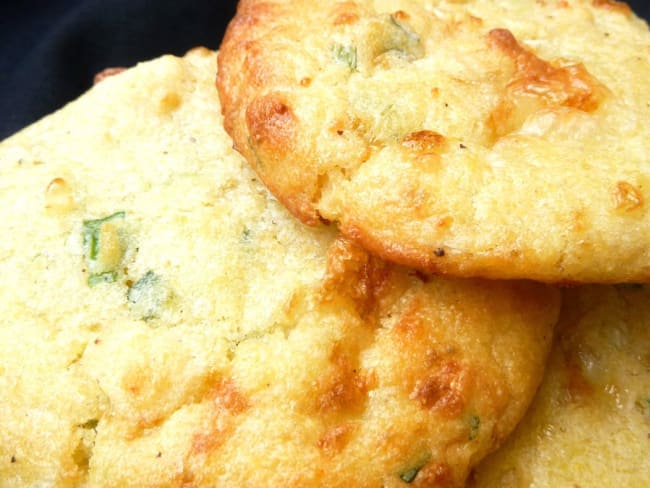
(590, 422)
(166, 322)
(493, 138)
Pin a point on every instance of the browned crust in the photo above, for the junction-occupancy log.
(570, 86)
(106, 73)
(627, 197)
(226, 401)
(424, 142)
(613, 5)
(439, 259)
(262, 124)
(445, 390)
(362, 277)
(334, 439)
(343, 387)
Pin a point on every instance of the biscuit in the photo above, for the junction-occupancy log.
(166, 322)
(493, 138)
(590, 422)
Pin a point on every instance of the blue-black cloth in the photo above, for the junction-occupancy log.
(51, 49)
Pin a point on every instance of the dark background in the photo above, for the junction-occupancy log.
(51, 49)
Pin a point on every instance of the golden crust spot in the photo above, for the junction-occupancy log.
(345, 13)
(305, 82)
(409, 330)
(251, 16)
(577, 387)
(256, 70)
(334, 439)
(444, 391)
(615, 6)
(627, 197)
(226, 401)
(473, 20)
(424, 142)
(346, 19)
(226, 396)
(351, 271)
(578, 223)
(404, 255)
(168, 101)
(444, 222)
(343, 387)
(401, 15)
(569, 86)
(271, 123)
(500, 121)
(416, 198)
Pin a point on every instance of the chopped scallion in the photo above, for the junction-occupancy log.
(409, 475)
(105, 277)
(346, 55)
(147, 295)
(91, 231)
(474, 425)
(90, 424)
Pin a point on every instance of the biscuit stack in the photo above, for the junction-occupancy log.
(483, 138)
(365, 292)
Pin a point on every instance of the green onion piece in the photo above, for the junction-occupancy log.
(90, 424)
(91, 230)
(399, 37)
(346, 55)
(412, 35)
(409, 475)
(106, 277)
(643, 404)
(246, 235)
(147, 295)
(474, 424)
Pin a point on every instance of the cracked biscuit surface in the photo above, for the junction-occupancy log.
(493, 138)
(166, 322)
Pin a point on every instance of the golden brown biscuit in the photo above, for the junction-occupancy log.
(166, 322)
(494, 138)
(590, 422)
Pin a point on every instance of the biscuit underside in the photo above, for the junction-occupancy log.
(482, 138)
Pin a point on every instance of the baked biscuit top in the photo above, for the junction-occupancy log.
(493, 138)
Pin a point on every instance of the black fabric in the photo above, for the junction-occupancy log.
(51, 49)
